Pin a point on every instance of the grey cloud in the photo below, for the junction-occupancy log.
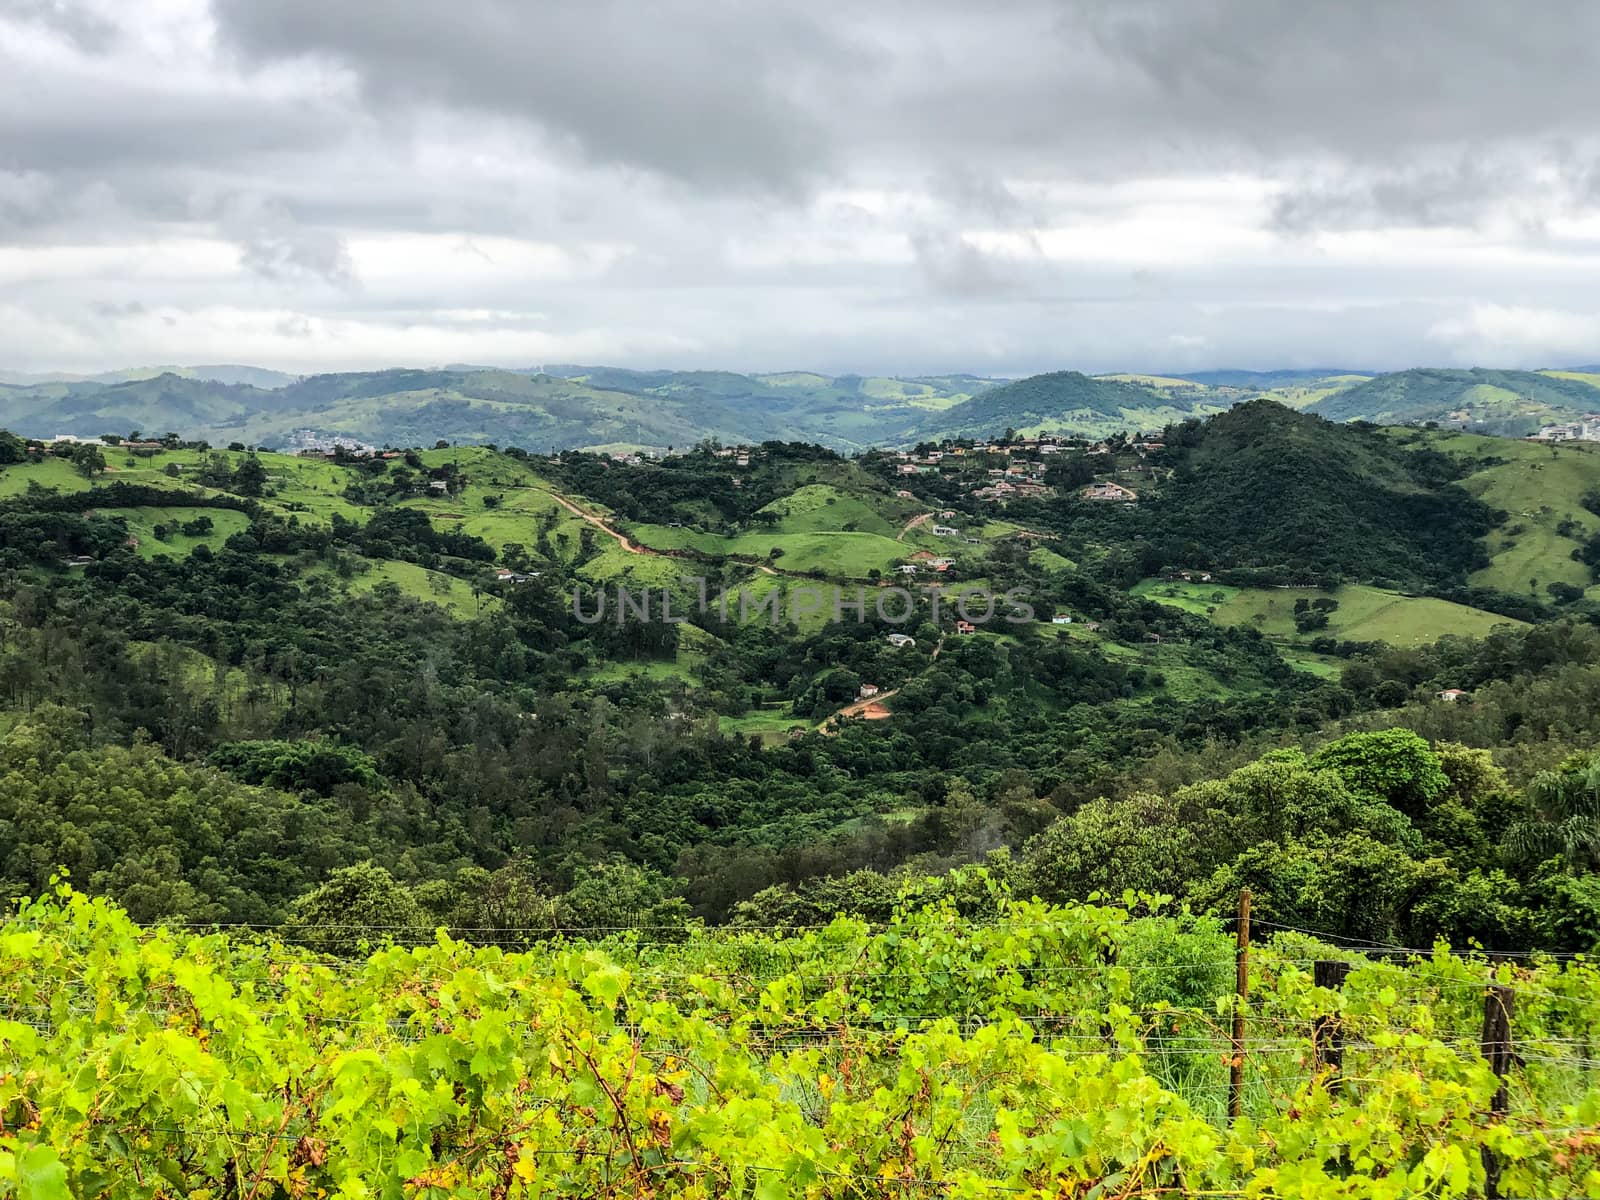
(721, 93)
(742, 180)
(113, 311)
(75, 21)
(784, 96)
(1466, 193)
(274, 245)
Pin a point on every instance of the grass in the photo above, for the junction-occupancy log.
(832, 554)
(823, 508)
(771, 726)
(1365, 614)
(142, 524)
(1048, 560)
(1590, 378)
(1539, 487)
(431, 587)
(51, 473)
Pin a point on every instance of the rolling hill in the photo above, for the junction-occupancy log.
(1262, 486)
(1068, 401)
(567, 407)
(575, 406)
(1512, 403)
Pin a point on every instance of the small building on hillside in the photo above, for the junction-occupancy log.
(966, 627)
(1450, 695)
(945, 531)
(907, 568)
(868, 691)
(1061, 619)
(901, 640)
(1114, 492)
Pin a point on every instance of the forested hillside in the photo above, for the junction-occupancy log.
(1264, 487)
(378, 663)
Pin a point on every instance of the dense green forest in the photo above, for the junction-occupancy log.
(231, 679)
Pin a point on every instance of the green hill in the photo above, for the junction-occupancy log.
(563, 408)
(1262, 486)
(1062, 400)
(1542, 489)
(1513, 403)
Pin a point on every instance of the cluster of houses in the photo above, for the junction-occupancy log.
(133, 447)
(1021, 477)
(922, 559)
(1585, 429)
(1112, 492)
(308, 443)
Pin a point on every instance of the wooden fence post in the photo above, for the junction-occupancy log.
(1327, 1032)
(1241, 998)
(1498, 1005)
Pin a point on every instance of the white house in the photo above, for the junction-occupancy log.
(901, 640)
(1450, 695)
(868, 691)
(1061, 619)
(945, 531)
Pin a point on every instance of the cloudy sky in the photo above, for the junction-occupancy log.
(901, 186)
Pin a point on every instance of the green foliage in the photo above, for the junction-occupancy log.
(1564, 817)
(170, 841)
(1028, 1051)
(87, 460)
(1346, 503)
(297, 766)
(1395, 765)
(354, 905)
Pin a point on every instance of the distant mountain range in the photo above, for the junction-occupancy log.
(573, 406)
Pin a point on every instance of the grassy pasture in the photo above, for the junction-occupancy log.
(1365, 614)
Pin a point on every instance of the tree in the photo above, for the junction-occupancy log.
(363, 903)
(612, 896)
(12, 448)
(1565, 815)
(1395, 765)
(1108, 847)
(88, 460)
(250, 478)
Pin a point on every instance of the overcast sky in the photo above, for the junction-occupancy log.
(901, 186)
